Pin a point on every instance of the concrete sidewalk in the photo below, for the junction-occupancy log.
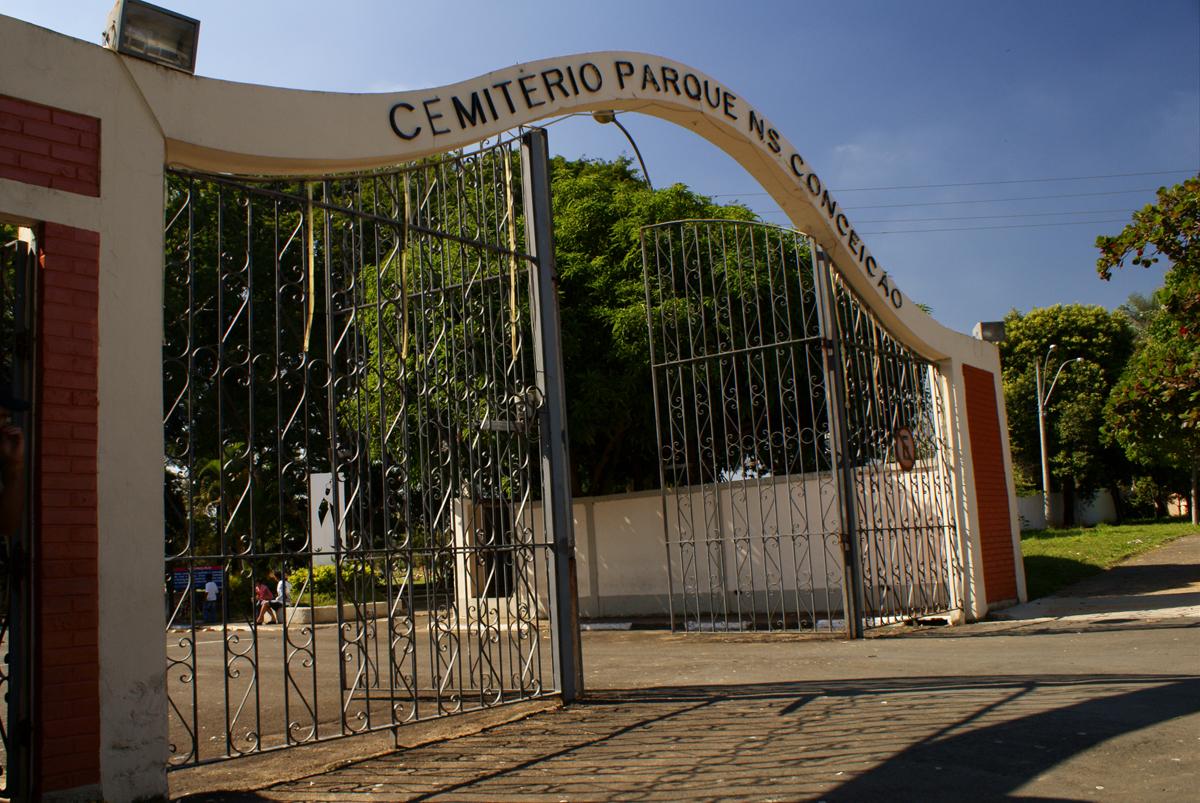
(1163, 583)
(1073, 703)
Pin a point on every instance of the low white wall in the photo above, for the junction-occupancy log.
(1087, 513)
(622, 560)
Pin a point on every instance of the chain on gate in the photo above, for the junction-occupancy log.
(352, 474)
(753, 463)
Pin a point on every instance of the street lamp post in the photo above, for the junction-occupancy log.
(609, 116)
(1043, 399)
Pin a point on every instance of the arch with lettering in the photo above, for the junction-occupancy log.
(242, 128)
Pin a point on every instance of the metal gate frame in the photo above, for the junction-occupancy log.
(491, 444)
(18, 306)
(739, 328)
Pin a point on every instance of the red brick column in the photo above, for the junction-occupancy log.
(67, 661)
(991, 485)
(60, 150)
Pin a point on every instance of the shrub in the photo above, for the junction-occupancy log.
(355, 576)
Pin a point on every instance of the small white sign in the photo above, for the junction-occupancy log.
(324, 514)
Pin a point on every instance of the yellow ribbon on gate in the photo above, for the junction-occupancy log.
(404, 278)
(312, 266)
(512, 253)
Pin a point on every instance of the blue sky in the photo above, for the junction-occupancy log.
(873, 94)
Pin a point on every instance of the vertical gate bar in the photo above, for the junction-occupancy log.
(22, 682)
(768, 340)
(423, 451)
(410, 442)
(222, 505)
(18, 769)
(838, 413)
(800, 552)
(662, 474)
(332, 447)
(677, 420)
(734, 442)
(812, 317)
(190, 550)
(281, 447)
(869, 370)
(704, 368)
(253, 530)
(556, 484)
(835, 414)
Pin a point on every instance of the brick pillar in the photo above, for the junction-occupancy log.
(66, 661)
(991, 485)
(60, 150)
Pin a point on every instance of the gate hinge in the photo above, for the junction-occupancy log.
(16, 561)
(22, 734)
(23, 344)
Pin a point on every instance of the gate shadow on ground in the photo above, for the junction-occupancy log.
(1050, 576)
(1047, 626)
(930, 738)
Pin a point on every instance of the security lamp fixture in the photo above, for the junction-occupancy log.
(155, 34)
(991, 331)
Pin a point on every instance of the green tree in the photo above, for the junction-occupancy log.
(1081, 459)
(1154, 412)
(1140, 311)
(599, 210)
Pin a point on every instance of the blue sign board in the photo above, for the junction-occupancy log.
(202, 575)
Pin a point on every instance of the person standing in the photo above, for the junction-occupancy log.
(211, 590)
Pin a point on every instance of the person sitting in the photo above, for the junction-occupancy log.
(263, 597)
(283, 592)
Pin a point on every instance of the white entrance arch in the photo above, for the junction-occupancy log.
(227, 127)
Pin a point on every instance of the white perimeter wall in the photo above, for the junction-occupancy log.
(622, 556)
(1099, 508)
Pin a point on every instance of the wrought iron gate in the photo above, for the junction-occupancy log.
(17, 305)
(896, 466)
(355, 403)
(779, 398)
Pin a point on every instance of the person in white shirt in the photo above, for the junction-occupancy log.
(210, 600)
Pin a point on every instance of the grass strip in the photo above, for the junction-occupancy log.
(1057, 558)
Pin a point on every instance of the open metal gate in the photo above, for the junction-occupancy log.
(780, 401)
(896, 466)
(359, 392)
(17, 306)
